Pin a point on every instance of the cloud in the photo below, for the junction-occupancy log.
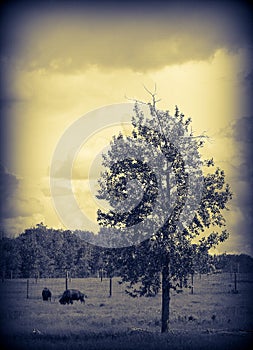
(248, 80)
(239, 140)
(14, 207)
(8, 183)
(14, 227)
(240, 130)
(58, 191)
(243, 130)
(242, 133)
(8, 188)
(71, 40)
(13, 202)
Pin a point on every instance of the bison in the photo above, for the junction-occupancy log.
(46, 294)
(71, 294)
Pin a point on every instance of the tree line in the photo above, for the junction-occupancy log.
(45, 252)
(48, 253)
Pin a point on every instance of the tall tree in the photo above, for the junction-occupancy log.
(10, 260)
(162, 202)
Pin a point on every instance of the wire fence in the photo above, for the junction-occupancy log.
(32, 288)
(202, 284)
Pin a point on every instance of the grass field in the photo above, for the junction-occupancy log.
(211, 318)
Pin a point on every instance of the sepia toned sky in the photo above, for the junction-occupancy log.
(61, 60)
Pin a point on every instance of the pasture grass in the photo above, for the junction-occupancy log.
(211, 318)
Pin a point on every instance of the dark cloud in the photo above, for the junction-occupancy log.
(248, 80)
(243, 131)
(8, 183)
(245, 171)
(13, 204)
(243, 229)
(8, 186)
(141, 38)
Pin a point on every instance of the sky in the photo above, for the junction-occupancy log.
(62, 60)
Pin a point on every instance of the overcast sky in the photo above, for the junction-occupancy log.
(60, 61)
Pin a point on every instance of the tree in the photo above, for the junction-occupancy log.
(165, 227)
(47, 252)
(10, 260)
(28, 248)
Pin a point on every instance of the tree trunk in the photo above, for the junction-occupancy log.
(192, 283)
(165, 298)
(27, 288)
(166, 270)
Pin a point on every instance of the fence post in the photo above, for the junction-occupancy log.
(110, 287)
(27, 288)
(66, 281)
(235, 281)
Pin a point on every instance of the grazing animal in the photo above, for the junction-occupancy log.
(46, 294)
(71, 294)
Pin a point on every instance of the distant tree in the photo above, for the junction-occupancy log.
(27, 249)
(234, 263)
(82, 260)
(202, 260)
(10, 260)
(171, 251)
(49, 252)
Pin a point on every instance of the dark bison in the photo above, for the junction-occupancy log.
(72, 294)
(46, 294)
